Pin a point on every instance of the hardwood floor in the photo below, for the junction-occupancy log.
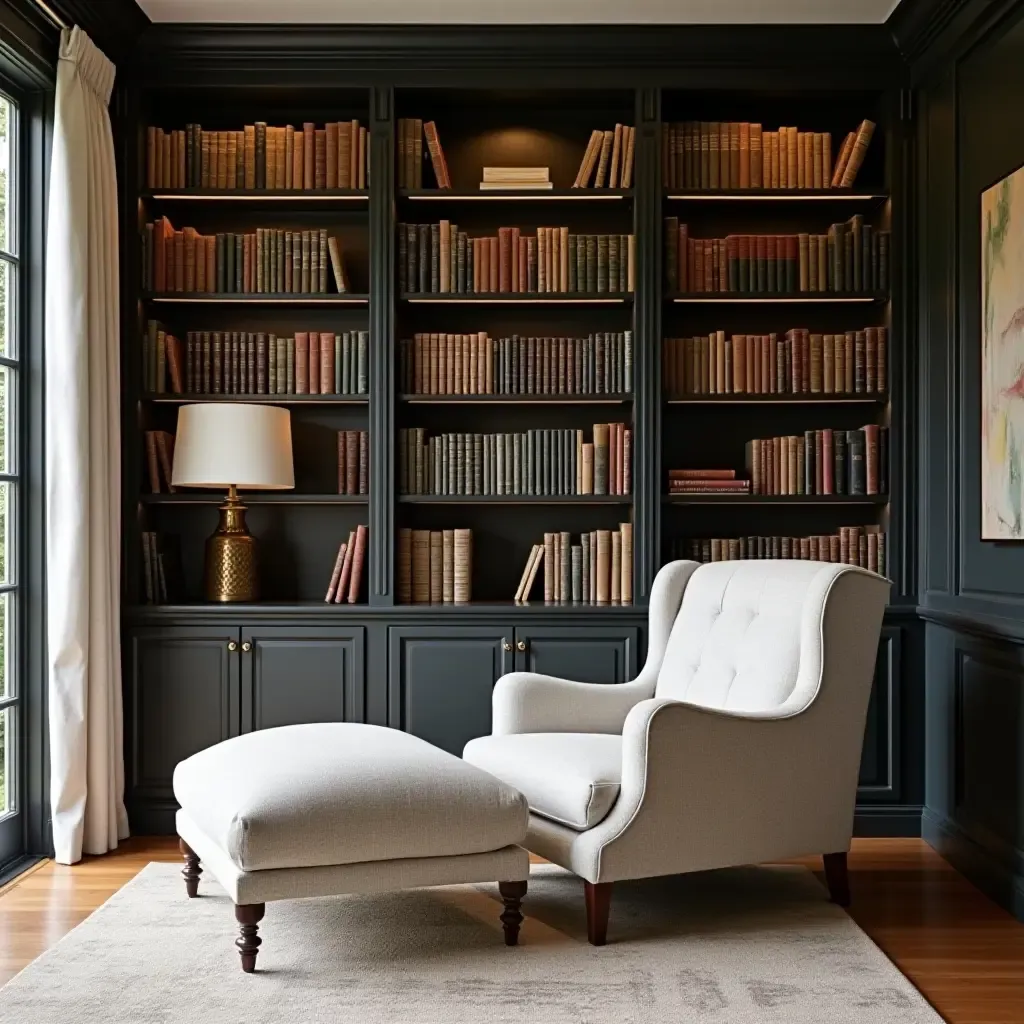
(963, 952)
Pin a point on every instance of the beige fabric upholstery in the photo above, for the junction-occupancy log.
(310, 795)
(571, 778)
(751, 749)
(509, 864)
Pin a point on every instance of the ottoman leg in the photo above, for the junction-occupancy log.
(191, 871)
(512, 894)
(248, 916)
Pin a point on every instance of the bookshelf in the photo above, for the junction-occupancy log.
(430, 668)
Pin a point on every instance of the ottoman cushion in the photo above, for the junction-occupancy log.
(326, 794)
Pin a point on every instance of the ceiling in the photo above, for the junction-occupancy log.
(552, 12)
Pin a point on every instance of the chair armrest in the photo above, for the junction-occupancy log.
(531, 702)
(706, 788)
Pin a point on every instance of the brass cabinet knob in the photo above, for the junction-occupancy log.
(521, 645)
(247, 647)
(505, 644)
(232, 646)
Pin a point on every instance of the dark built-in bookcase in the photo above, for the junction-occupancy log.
(429, 668)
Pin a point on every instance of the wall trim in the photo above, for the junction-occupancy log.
(984, 627)
(984, 869)
(887, 821)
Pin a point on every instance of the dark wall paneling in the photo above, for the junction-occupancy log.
(969, 65)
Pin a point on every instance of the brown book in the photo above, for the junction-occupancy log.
(175, 364)
(344, 155)
(308, 155)
(744, 154)
(405, 566)
(463, 566)
(436, 567)
(360, 177)
(538, 559)
(358, 563)
(437, 160)
(327, 367)
(842, 160)
(331, 155)
(604, 555)
(626, 581)
(617, 151)
(550, 573)
(320, 158)
(589, 159)
(165, 453)
(152, 461)
(448, 566)
(421, 566)
(858, 151)
(626, 180)
(606, 152)
(332, 587)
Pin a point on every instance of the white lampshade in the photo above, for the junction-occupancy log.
(245, 445)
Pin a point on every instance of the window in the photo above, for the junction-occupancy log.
(10, 494)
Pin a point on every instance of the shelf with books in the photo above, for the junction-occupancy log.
(776, 499)
(560, 195)
(561, 399)
(775, 297)
(257, 299)
(293, 197)
(519, 298)
(868, 199)
(276, 399)
(251, 498)
(878, 399)
(515, 499)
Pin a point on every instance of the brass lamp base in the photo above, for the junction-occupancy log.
(231, 556)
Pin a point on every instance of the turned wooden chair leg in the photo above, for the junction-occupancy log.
(599, 900)
(191, 871)
(837, 878)
(512, 894)
(248, 916)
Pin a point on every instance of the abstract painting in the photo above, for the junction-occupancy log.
(1002, 359)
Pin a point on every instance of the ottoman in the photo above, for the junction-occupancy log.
(317, 810)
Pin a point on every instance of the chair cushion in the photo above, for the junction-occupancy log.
(572, 778)
(313, 795)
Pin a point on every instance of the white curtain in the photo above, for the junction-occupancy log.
(83, 467)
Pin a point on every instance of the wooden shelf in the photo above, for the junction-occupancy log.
(774, 195)
(519, 298)
(556, 195)
(515, 499)
(770, 297)
(777, 499)
(822, 399)
(236, 195)
(250, 498)
(267, 299)
(257, 399)
(615, 399)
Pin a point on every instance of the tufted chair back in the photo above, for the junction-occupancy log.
(748, 636)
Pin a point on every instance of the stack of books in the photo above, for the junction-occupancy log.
(706, 481)
(435, 566)
(349, 568)
(499, 178)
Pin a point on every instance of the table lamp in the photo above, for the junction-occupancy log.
(232, 446)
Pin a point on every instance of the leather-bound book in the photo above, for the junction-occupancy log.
(842, 160)
(152, 461)
(714, 155)
(437, 160)
(626, 179)
(279, 158)
(436, 576)
(327, 368)
(756, 156)
(448, 566)
(346, 568)
(404, 566)
(308, 155)
(744, 154)
(331, 155)
(260, 154)
(358, 565)
(463, 566)
(858, 150)
(421, 566)
(589, 158)
(603, 574)
(175, 364)
(320, 158)
(332, 587)
(601, 178)
(364, 462)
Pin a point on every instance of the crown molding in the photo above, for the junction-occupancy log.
(113, 25)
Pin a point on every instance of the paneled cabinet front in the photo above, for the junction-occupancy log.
(588, 654)
(183, 689)
(298, 674)
(440, 680)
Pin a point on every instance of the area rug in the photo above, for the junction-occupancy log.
(742, 946)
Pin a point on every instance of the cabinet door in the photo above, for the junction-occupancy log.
(299, 674)
(880, 758)
(440, 680)
(183, 693)
(588, 654)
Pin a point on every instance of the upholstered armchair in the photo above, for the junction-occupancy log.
(739, 742)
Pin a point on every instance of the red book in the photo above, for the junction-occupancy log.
(346, 569)
(326, 364)
(357, 564)
(494, 262)
(684, 250)
(702, 474)
(302, 362)
(314, 363)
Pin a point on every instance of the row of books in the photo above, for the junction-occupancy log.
(259, 156)
(800, 362)
(740, 154)
(267, 260)
(353, 462)
(854, 545)
(159, 460)
(439, 258)
(475, 364)
(349, 568)
(608, 159)
(821, 462)
(597, 570)
(851, 257)
(161, 567)
(534, 462)
(247, 363)
(435, 566)
(412, 132)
